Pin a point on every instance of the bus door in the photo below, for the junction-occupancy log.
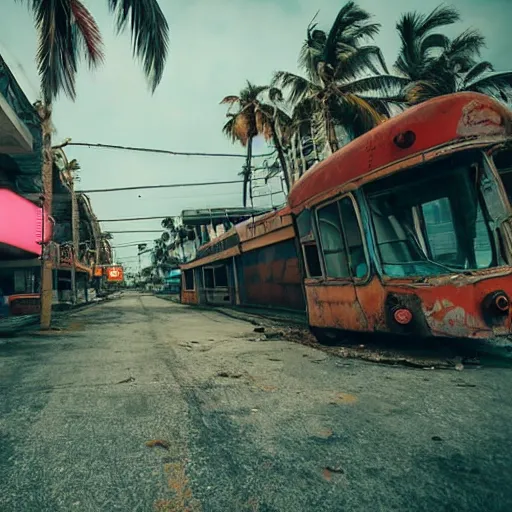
(332, 298)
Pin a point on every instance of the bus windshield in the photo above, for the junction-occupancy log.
(431, 220)
(503, 162)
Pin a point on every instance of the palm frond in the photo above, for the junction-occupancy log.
(422, 90)
(476, 71)
(349, 17)
(312, 51)
(238, 128)
(88, 32)
(355, 115)
(251, 92)
(440, 17)
(150, 34)
(434, 41)
(466, 45)
(57, 54)
(387, 85)
(356, 34)
(231, 100)
(275, 94)
(298, 87)
(500, 81)
(352, 63)
(417, 40)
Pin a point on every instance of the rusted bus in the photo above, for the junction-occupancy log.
(269, 270)
(261, 270)
(210, 277)
(408, 228)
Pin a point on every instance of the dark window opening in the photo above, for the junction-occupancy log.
(221, 276)
(189, 279)
(208, 278)
(312, 258)
(503, 162)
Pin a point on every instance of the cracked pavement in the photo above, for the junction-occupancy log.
(141, 404)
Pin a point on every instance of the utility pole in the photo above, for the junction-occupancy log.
(75, 232)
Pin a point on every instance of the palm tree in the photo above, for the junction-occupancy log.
(68, 31)
(435, 64)
(336, 66)
(255, 117)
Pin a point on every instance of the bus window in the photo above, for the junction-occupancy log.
(503, 162)
(308, 244)
(352, 229)
(332, 242)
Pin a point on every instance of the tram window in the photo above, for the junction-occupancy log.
(310, 248)
(440, 230)
(312, 260)
(221, 276)
(189, 279)
(208, 278)
(357, 256)
(332, 242)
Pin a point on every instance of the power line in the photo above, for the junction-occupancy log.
(131, 244)
(163, 151)
(138, 231)
(135, 218)
(171, 185)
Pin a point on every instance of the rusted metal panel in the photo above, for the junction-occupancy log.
(264, 224)
(270, 276)
(189, 297)
(334, 306)
(457, 308)
(274, 237)
(436, 123)
(229, 253)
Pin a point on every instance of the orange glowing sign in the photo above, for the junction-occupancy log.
(98, 272)
(115, 274)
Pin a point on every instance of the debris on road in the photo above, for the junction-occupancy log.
(229, 375)
(126, 381)
(158, 442)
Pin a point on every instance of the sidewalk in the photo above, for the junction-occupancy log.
(10, 325)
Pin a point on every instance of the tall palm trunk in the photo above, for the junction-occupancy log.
(45, 112)
(330, 130)
(247, 171)
(280, 156)
(302, 157)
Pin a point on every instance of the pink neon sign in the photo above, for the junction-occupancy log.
(21, 223)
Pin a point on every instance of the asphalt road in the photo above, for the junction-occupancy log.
(235, 423)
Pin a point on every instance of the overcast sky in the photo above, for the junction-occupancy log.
(215, 46)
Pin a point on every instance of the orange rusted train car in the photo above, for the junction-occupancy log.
(408, 229)
(253, 264)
